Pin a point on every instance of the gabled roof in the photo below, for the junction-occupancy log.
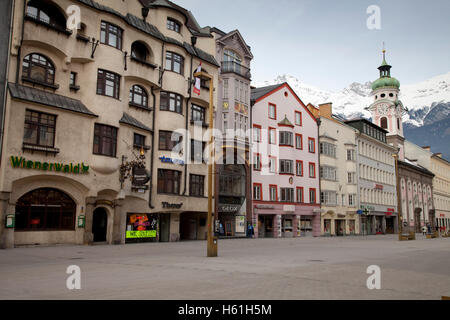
(48, 99)
(258, 94)
(245, 46)
(129, 120)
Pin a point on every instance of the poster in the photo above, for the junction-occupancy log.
(240, 224)
(141, 226)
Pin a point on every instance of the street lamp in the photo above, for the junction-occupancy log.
(212, 241)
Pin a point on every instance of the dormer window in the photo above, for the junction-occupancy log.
(173, 25)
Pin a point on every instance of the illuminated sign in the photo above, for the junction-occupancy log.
(141, 234)
(170, 160)
(20, 162)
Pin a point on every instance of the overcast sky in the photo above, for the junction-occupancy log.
(326, 43)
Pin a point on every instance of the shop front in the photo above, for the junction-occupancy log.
(232, 218)
(142, 227)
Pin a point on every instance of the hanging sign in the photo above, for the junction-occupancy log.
(140, 176)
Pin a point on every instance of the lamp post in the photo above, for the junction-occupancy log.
(212, 241)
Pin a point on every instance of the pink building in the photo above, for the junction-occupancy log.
(285, 170)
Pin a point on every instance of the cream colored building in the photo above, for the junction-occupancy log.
(338, 174)
(441, 190)
(80, 103)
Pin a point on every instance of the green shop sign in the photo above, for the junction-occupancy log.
(20, 162)
(141, 234)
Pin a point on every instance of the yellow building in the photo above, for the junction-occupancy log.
(82, 103)
(441, 190)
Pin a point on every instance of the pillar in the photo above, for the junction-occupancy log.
(89, 212)
(175, 227)
(255, 224)
(296, 230)
(316, 224)
(119, 221)
(277, 226)
(383, 225)
(6, 234)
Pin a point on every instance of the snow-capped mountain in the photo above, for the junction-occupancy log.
(421, 98)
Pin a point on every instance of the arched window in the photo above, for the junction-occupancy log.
(138, 96)
(47, 13)
(383, 123)
(38, 68)
(45, 209)
(139, 51)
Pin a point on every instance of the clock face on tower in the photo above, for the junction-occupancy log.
(383, 109)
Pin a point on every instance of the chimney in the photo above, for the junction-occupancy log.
(428, 148)
(325, 110)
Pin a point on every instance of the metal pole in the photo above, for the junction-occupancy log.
(212, 241)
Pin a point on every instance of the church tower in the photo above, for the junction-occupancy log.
(387, 110)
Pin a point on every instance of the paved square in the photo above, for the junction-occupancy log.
(303, 268)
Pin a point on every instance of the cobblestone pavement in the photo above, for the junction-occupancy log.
(303, 268)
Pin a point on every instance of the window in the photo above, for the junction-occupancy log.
(312, 170)
(351, 155)
(300, 198)
(198, 114)
(173, 25)
(299, 141)
(138, 141)
(286, 138)
(272, 111)
(311, 145)
(225, 121)
(287, 194)
(286, 166)
(139, 51)
(328, 173)
(256, 133)
(105, 140)
(225, 89)
(257, 162)
(272, 164)
(312, 195)
(111, 35)
(299, 168)
(197, 151)
(73, 79)
(298, 118)
(39, 68)
(46, 13)
(169, 141)
(39, 129)
(45, 209)
(138, 96)
(351, 179)
(328, 198)
(197, 185)
(257, 191)
(169, 181)
(171, 102)
(174, 62)
(272, 136)
(108, 84)
(327, 149)
(398, 124)
(273, 192)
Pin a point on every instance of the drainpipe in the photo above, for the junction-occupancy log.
(193, 41)
(19, 50)
(153, 150)
(319, 121)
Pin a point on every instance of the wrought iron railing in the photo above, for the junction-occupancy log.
(234, 67)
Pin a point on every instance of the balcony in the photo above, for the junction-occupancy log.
(234, 67)
(57, 28)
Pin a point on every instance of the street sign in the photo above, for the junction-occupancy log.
(359, 212)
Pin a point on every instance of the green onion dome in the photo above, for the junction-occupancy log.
(385, 82)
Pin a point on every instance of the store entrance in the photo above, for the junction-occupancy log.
(265, 226)
(188, 226)
(164, 227)
(99, 225)
(390, 225)
(340, 227)
(417, 226)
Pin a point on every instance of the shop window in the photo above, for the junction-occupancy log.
(105, 140)
(174, 62)
(111, 35)
(169, 141)
(171, 102)
(138, 96)
(45, 209)
(38, 68)
(169, 181)
(196, 185)
(39, 129)
(108, 84)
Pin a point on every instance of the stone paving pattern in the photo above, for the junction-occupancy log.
(302, 268)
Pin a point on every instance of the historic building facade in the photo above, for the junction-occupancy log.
(233, 172)
(415, 180)
(87, 154)
(285, 178)
(376, 179)
(441, 190)
(338, 174)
